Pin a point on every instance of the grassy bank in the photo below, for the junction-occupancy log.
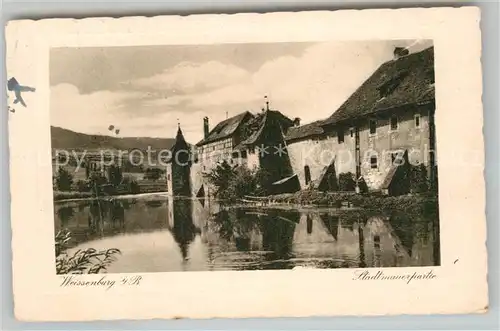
(70, 195)
(410, 203)
(65, 195)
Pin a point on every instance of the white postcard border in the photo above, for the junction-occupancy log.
(460, 283)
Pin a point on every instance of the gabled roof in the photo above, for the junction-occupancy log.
(404, 81)
(225, 128)
(304, 131)
(271, 118)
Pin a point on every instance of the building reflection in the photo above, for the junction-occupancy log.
(277, 239)
(208, 236)
(183, 230)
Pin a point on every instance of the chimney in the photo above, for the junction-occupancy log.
(400, 52)
(206, 129)
(296, 121)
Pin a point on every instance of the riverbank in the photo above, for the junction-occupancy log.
(87, 196)
(410, 203)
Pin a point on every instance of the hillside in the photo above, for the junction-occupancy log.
(67, 139)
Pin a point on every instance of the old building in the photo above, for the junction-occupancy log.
(255, 141)
(381, 135)
(218, 144)
(385, 127)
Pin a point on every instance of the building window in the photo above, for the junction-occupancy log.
(168, 177)
(417, 121)
(307, 174)
(340, 136)
(394, 123)
(373, 126)
(373, 162)
(244, 154)
(351, 132)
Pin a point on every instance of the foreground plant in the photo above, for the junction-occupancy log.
(87, 261)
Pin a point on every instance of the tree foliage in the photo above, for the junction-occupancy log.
(115, 175)
(220, 177)
(64, 180)
(347, 182)
(232, 183)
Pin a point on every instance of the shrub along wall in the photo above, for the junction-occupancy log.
(413, 203)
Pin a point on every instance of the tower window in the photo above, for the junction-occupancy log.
(394, 123)
(373, 126)
(307, 174)
(340, 136)
(417, 121)
(373, 162)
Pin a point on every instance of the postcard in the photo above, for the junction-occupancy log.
(322, 163)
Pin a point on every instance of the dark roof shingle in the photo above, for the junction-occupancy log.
(304, 131)
(407, 80)
(268, 120)
(225, 128)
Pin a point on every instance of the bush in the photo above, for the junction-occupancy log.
(347, 182)
(242, 183)
(64, 180)
(418, 179)
(232, 183)
(263, 181)
(363, 187)
(220, 177)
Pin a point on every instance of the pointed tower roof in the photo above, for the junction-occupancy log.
(180, 142)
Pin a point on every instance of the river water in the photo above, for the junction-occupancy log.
(158, 234)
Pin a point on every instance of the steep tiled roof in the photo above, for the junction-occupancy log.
(225, 128)
(180, 142)
(304, 131)
(270, 118)
(407, 80)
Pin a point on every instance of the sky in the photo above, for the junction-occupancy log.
(146, 91)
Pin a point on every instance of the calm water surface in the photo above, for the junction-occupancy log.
(158, 234)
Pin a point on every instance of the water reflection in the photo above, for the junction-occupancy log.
(176, 235)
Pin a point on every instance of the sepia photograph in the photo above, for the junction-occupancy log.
(281, 164)
(244, 156)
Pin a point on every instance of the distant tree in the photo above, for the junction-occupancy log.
(64, 180)
(96, 181)
(82, 186)
(115, 175)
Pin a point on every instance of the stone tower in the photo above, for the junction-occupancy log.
(181, 166)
